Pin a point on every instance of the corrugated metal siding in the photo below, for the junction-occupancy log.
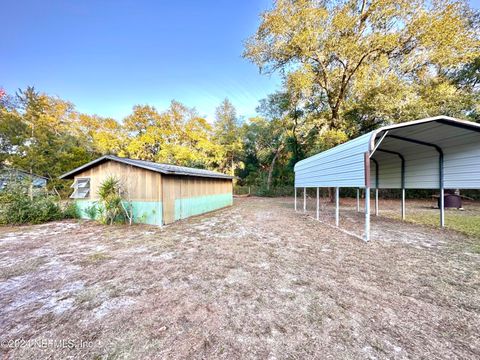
(421, 166)
(389, 171)
(340, 166)
(461, 150)
(343, 165)
(462, 164)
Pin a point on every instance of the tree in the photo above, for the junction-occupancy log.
(102, 135)
(274, 130)
(177, 135)
(39, 134)
(12, 128)
(227, 134)
(268, 138)
(323, 46)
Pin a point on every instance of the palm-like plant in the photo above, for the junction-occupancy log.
(110, 194)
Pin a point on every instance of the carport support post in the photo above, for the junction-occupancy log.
(376, 202)
(403, 204)
(442, 207)
(295, 189)
(367, 214)
(304, 199)
(318, 203)
(358, 200)
(337, 206)
(442, 190)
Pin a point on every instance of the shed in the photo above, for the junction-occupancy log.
(434, 153)
(12, 175)
(159, 193)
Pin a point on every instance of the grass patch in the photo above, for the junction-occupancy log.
(475, 248)
(90, 298)
(98, 257)
(20, 268)
(459, 221)
(464, 223)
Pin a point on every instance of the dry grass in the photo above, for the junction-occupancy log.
(252, 281)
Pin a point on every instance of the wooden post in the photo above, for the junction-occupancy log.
(318, 204)
(337, 206)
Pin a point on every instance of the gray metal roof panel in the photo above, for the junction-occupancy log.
(166, 169)
(5, 167)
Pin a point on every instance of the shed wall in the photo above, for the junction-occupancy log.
(144, 189)
(186, 196)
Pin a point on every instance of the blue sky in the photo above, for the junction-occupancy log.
(106, 56)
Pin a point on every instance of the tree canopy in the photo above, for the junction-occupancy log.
(348, 67)
(340, 50)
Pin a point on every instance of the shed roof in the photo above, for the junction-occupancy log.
(5, 168)
(149, 165)
(418, 142)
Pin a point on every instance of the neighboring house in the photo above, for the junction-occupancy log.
(159, 193)
(10, 175)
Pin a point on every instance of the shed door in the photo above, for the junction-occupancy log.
(171, 192)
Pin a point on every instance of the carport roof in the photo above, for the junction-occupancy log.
(424, 129)
(346, 165)
(148, 165)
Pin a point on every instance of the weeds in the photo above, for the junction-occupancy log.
(98, 257)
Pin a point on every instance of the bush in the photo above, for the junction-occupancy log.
(70, 211)
(16, 207)
(283, 190)
(92, 212)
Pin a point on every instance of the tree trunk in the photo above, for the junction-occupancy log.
(30, 186)
(335, 118)
(331, 195)
(270, 171)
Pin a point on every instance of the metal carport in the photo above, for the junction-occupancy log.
(434, 153)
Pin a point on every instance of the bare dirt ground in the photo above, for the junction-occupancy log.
(421, 212)
(252, 281)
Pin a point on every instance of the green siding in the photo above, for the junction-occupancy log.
(147, 212)
(82, 206)
(201, 204)
(144, 212)
(150, 212)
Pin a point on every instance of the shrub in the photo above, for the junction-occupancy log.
(112, 203)
(18, 208)
(92, 212)
(70, 211)
(261, 190)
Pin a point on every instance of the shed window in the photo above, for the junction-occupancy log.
(81, 188)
